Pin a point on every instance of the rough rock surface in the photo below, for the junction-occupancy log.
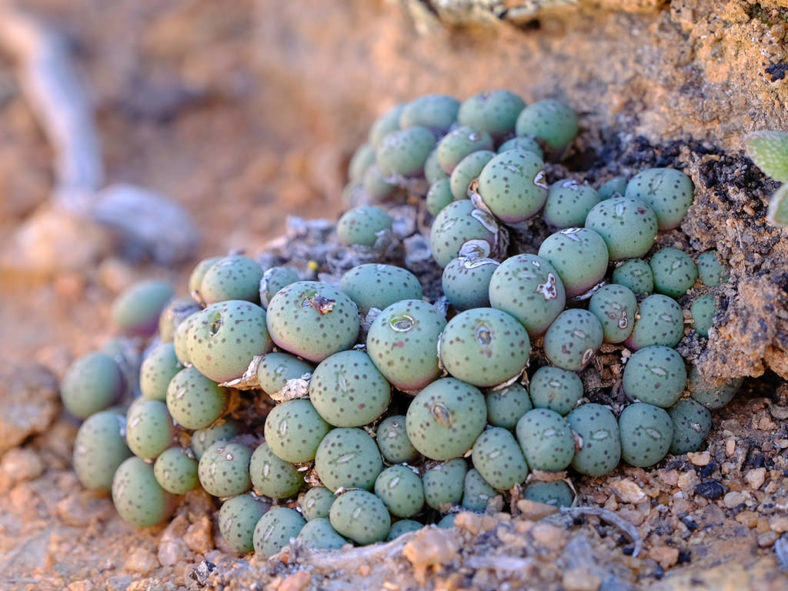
(28, 403)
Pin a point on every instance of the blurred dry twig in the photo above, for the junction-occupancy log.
(144, 222)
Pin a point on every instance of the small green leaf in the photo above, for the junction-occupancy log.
(769, 151)
(778, 207)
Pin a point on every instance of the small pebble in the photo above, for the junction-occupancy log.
(580, 579)
(687, 479)
(22, 464)
(533, 511)
(430, 549)
(141, 561)
(198, 535)
(768, 539)
(83, 507)
(700, 458)
(747, 518)
(628, 491)
(779, 524)
(549, 536)
(755, 477)
(296, 582)
(475, 522)
(666, 556)
(710, 489)
(172, 548)
(734, 499)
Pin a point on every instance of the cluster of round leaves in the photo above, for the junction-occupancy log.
(414, 415)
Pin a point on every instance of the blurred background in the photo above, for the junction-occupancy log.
(246, 112)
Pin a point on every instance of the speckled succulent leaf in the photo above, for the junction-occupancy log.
(556, 493)
(238, 517)
(360, 516)
(778, 207)
(401, 490)
(316, 503)
(498, 458)
(273, 477)
(444, 483)
(348, 458)
(318, 534)
(274, 530)
(769, 151)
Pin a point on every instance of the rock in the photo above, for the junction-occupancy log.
(19, 465)
(700, 458)
(198, 535)
(152, 584)
(147, 222)
(56, 445)
(767, 540)
(687, 479)
(534, 511)
(54, 239)
(734, 499)
(747, 518)
(633, 516)
(430, 549)
(141, 561)
(666, 556)
(580, 579)
(296, 582)
(28, 403)
(200, 572)
(755, 477)
(548, 536)
(710, 489)
(474, 522)
(172, 551)
(779, 524)
(669, 477)
(628, 491)
(80, 508)
(745, 573)
(172, 547)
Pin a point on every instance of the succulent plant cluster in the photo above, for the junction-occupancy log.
(350, 409)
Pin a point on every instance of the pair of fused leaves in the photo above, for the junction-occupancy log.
(769, 151)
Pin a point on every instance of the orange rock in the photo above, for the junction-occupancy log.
(666, 556)
(475, 523)
(549, 536)
(755, 477)
(198, 535)
(430, 549)
(701, 458)
(141, 561)
(779, 524)
(628, 491)
(534, 511)
(296, 582)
